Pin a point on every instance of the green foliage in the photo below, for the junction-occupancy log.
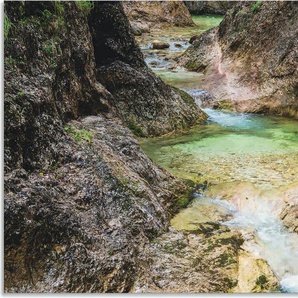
(85, 6)
(21, 93)
(7, 25)
(59, 8)
(9, 60)
(47, 15)
(49, 47)
(182, 202)
(79, 135)
(256, 6)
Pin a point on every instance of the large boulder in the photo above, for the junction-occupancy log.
(158, 13)
(250, 60)
(142, 100)
(82, 200)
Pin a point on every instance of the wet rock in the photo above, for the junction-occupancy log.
(187, 262)
(255, 275)
(178, 45)
(193, 39)
(123, 72)
(289, 214)
(159, 45)
(246, 62)
(136, 30)
(82, 200)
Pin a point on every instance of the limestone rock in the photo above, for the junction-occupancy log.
(158, 13)
(249, 59)
(142, 100)
(255, 275)
(289, 214)
(82, 200)
(159, 45)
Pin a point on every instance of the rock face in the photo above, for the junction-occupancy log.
(81, 198)
(143, 101)
(250, 60)
(209, 7)
(289, 214)
(158, 13)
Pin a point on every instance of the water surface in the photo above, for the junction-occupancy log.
(247, 161)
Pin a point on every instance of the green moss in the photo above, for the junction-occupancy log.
(224, 105)
(85, 6)
(79, 135)
(191, 65)
(225, 259)
(7, 25)
(185, 96)
(182, 202)
(261, 281)
(256, 6)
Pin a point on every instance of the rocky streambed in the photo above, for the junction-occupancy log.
(86, 210)
(242, 220)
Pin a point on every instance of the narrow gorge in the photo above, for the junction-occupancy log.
(150, 147)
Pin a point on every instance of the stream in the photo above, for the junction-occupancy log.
(246, 162)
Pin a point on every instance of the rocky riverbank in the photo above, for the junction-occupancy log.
(249, 60)
(81, 198)
(85, 209)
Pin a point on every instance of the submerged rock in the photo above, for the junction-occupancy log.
(159, 45)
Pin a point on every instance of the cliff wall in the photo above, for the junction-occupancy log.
(82, 200)
(250, 59)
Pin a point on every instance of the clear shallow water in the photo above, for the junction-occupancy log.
(248, 160)
(178, 39)
(258, 217)
(232, 147)
(274, 243)
(251, 155)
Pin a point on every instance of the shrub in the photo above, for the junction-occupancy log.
(85, 6)
(79, 134)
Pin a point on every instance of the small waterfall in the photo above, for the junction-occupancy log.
(233, 120)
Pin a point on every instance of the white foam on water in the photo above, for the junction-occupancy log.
(274, 242)
(232, 120)
(290, 284)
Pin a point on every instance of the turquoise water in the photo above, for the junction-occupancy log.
(248, 161)
(232, 147)
(178, 39)
(205, 22)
